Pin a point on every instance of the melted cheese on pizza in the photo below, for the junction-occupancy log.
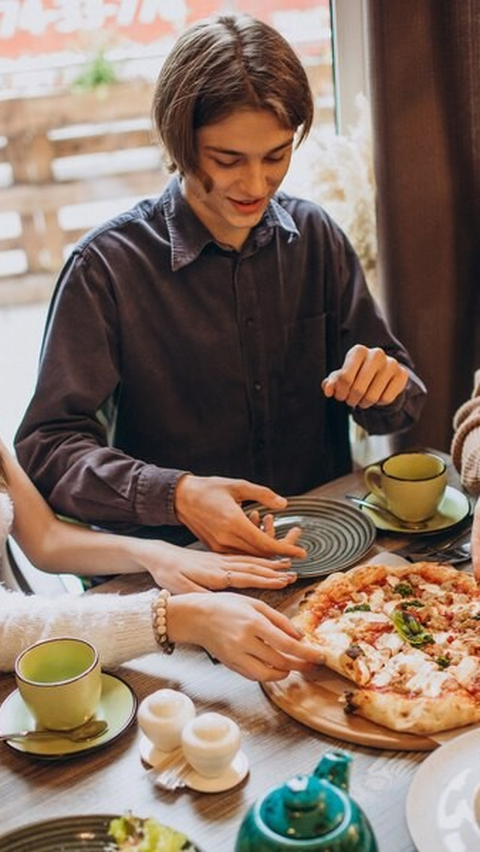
(411, 672)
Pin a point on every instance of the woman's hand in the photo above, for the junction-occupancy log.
(367, 377)
(246, 635)
(210, 506)
(182, 569)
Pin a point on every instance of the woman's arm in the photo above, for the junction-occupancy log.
(60, 546)
(64, 547)
(119, 626)
(246, 635)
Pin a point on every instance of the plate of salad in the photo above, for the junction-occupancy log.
(97, 833)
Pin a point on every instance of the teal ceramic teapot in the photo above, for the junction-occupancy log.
(309, 813)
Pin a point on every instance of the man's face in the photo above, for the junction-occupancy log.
(246, 156)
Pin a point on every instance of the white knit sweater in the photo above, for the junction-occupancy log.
(119, 626)
(465, 447)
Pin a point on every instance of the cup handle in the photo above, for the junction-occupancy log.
(373, 479)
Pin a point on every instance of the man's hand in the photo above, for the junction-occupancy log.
(368, 377)
(210, 506)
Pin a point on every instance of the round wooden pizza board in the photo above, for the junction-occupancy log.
(315, 700)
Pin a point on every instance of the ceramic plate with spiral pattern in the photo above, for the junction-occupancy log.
(334, 534)
(67, 834)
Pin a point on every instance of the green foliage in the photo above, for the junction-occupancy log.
(98, 72)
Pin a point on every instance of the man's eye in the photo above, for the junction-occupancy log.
(225, 165)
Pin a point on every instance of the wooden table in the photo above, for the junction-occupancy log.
(113, 779)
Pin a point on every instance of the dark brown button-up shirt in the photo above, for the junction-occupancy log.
(166, 353)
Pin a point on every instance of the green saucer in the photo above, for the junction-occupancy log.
(117, 706)
(453, 509)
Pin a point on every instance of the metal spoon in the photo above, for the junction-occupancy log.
(385, 513)
(88, 731)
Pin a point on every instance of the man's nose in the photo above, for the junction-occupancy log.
(254, 180)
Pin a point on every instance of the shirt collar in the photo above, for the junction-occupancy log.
(188, 236)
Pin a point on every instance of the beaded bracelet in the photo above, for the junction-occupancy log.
(159, 621)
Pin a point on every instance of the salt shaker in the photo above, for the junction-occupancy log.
(162, 717)
(210, 742)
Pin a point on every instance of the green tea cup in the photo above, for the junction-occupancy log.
(411, 485)
(60, 681)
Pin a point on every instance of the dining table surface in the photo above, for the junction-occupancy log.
(114, 779)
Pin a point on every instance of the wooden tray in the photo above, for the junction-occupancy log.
(314, 700)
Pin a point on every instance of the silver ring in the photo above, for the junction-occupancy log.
(229, 579)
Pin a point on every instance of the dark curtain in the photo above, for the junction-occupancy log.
(425, 78)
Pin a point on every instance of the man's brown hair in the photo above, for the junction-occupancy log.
(219, 66)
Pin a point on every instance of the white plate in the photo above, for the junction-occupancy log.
(440, 801)
(455, 507)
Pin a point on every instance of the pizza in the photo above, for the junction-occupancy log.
(408, 638)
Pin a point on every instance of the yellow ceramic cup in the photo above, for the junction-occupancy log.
(410, 484)
(60, 681)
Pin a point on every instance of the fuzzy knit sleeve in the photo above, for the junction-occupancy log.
(118, 625)
(465, 448)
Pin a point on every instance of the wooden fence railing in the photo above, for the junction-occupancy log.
(69, 149)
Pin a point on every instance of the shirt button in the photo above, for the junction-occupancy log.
(257, 386)
(261, 445)
(249, 322)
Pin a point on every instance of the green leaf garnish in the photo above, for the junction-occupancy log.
(412, 604)
(405, 590)
(363, 607)
(410, 629)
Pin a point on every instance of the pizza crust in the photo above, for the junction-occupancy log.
(416, 715)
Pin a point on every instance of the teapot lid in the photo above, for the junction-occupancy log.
(304, 808)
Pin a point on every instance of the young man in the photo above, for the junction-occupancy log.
(206, 347)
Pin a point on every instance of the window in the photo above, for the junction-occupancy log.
(42, 46)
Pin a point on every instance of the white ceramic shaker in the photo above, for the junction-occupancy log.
(162, 717)
(210, 742)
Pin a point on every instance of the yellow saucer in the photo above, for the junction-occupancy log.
(118, 705)
(453, 509)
